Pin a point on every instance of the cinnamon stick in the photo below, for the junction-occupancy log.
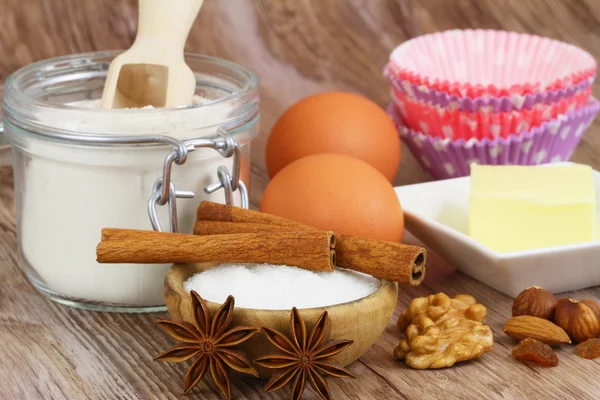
(209, 211)
(221, 227)
(308, 250)
(397, 262)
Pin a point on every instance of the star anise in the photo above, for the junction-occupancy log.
(305, 357)
(212, 341)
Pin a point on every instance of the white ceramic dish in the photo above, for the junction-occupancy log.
(437, 214)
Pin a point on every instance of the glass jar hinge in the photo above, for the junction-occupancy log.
(164, 192)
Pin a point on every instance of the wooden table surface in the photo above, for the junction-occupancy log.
(296, 47)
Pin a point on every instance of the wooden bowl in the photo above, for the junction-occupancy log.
(362, 320)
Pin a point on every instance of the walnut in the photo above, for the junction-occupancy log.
(439, 307)
(430, 345)
(441, 331)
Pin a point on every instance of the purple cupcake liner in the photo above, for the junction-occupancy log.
(553, 141)
(493, 104)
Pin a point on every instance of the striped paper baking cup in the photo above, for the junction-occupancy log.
(476, 63)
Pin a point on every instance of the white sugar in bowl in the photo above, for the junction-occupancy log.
(79, 168)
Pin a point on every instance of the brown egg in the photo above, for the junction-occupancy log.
(339, 193)
(335, 122)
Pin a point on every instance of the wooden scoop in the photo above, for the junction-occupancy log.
(153, 71)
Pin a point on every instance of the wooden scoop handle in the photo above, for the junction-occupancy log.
(166, 22)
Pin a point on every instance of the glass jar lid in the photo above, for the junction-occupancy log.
(61, 96)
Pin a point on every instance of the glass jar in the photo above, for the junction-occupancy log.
(5, 152)
(79, 168)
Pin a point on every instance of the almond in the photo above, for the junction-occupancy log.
(526, 326)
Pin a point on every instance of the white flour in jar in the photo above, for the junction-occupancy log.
(72, 192)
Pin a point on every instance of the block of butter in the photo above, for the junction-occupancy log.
(514, 208)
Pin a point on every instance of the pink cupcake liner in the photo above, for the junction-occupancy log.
(553, 141)
(514, 102)
(455, 124)
(476, 63)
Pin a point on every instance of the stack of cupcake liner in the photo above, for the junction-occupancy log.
(456, 124)
(490, 97)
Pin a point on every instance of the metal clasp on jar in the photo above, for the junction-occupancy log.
(164, 191)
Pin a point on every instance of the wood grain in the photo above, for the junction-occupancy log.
(296, 47)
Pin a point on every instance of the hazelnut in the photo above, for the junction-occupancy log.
(580, 319)
(536, 302)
